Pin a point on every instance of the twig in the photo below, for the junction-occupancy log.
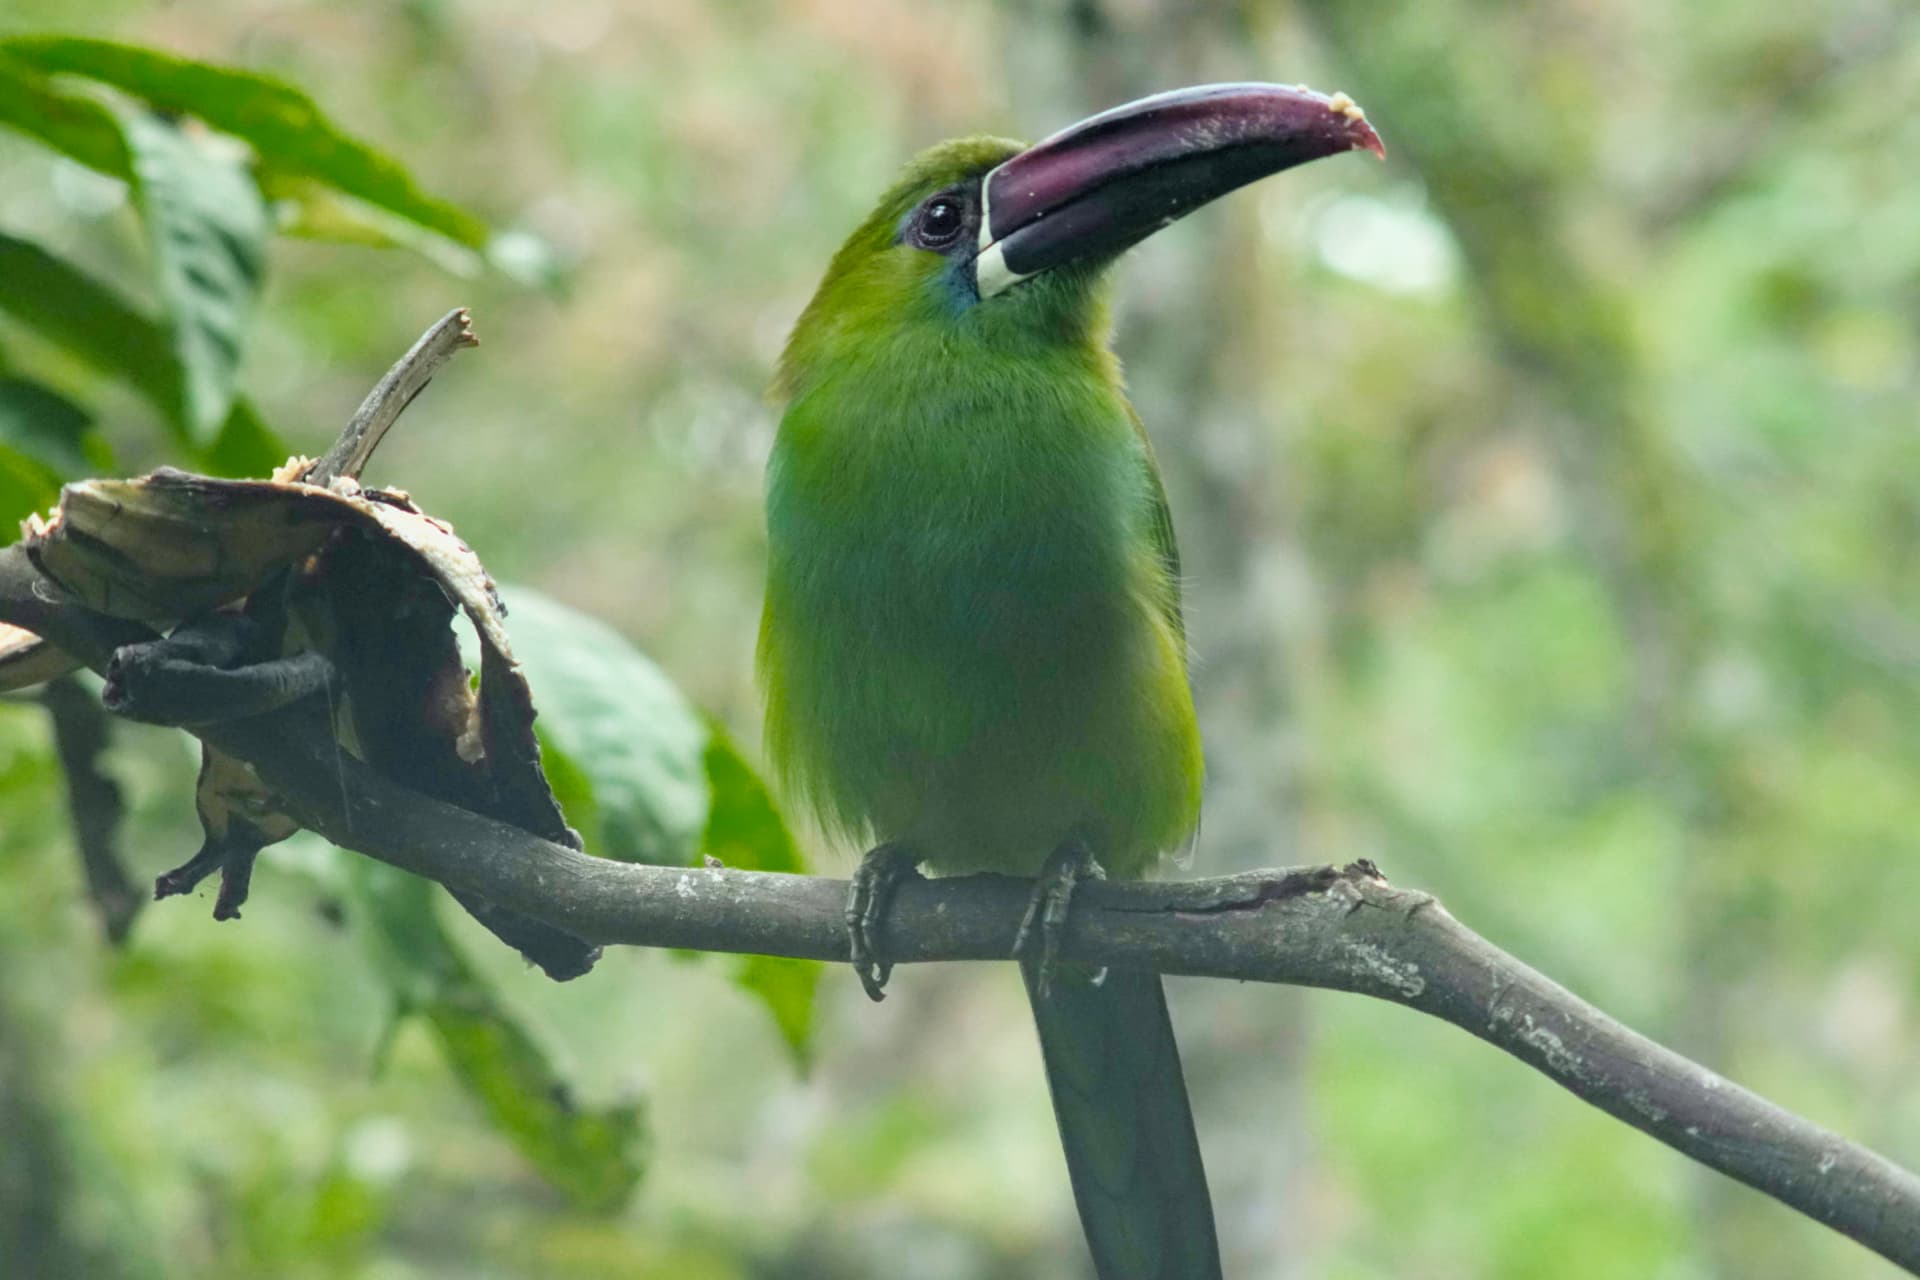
(1341, 929)
(29, 599)
(392, 394)
(80, 730)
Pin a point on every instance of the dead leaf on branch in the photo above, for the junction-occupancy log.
(263, 574)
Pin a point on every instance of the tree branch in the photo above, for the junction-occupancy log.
(1339, 929)
(1343, 929)
(81, 727)
(391, 395)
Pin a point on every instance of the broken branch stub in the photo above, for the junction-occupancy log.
(282, 589)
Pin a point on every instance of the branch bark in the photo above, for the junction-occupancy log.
(81, 727)
(1339, 929)
(391, 395)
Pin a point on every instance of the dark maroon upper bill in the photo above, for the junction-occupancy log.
(1109, 182)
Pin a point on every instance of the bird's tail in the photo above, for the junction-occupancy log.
(1121, 1102)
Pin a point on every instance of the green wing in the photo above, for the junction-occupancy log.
(1162, 529)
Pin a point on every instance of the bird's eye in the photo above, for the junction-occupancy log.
(940, 222)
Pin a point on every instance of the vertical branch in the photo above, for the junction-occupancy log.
(81, 729)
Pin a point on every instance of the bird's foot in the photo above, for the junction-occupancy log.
(874, 883)
(233, 857)
(1047, 908)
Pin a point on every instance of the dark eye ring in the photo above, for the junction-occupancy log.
(941, 220)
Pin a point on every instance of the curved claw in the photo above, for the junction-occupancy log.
(1048, 907)
(870, 894)
(232, 855)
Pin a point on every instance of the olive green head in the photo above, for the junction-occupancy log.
(984, 241)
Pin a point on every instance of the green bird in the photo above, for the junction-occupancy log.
(972, 647)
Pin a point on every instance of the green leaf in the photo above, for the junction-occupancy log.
(45, 426)
(73, 310)
(646, 778)
(292, 136)
(245, 447)
(77, 127)
(572, 790)
(744, 829)
(594, 1155)
(27, 485)
(787, 988)
(207, 230)
(312, 210)
(45, 438)
(634, 737)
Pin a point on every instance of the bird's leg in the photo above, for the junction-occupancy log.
(874, 882)
(1052, 898)
(232, 854)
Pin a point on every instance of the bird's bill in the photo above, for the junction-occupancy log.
(1109, 182)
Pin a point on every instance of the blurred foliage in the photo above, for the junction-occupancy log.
(594, 1156)
(659, 783)
(1549, 502)
(645, 778)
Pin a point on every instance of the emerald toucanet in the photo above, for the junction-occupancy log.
(972, 647)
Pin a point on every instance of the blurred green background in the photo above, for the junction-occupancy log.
(1550, 500)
